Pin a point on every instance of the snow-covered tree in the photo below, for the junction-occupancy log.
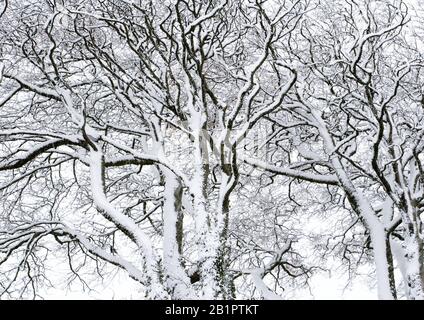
(354, 123)
(121, 124)
(186, 143)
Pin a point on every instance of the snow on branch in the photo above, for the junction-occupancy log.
(329, 179)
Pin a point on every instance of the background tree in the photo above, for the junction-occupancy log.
(357, 107)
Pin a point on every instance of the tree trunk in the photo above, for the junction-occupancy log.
(414, 269)
(176, 279)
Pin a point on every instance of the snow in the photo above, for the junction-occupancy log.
(35, 88)
(265, 292)
(123, 221)
(132, 270)
(206, 16)
(308, 89)
(176, 278)
(298, 174)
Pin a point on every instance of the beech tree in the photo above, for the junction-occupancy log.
(357, 108)
(137, 111)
